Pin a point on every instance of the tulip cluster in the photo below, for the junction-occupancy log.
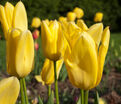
(82, 49)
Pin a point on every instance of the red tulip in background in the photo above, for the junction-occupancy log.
(36, 45)
(35, 34)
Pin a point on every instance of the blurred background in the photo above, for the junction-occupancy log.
(110, 86)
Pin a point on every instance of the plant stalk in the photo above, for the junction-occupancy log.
(56, 84)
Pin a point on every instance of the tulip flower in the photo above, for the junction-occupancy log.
(36, 45)
(36, 22)
(9, 90)
(82, 25)
(47, 74)
(71, 16)
(52, 40)
(35, 34)
(79, 12)
(13, 17)
(20, 44)
(61, 19)
(85, 59)
(98, 17)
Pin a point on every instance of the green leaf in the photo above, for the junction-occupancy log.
(79, 101)
(51, 98)
(96, 98)
(40, 100)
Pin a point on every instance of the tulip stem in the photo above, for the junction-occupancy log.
(82, 96)
(25, 91)
(22, 93)
(86, 97)
(56, 84)
(49, 90)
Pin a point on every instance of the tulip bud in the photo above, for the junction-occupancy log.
(13, 17)
(52, 40)
(36, 22)
(47, 74)
(98, 17)
(71, 16)
(79, 12)
(36, 45)
(35, 34)
(20, 53)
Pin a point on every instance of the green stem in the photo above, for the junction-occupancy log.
(25, 91)
(49, 90)
(56, 84)
(82, 96)
(22, 92)
(86, 97)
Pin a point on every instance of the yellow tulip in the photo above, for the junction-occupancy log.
(52, 40)
(61, 19)
(84, 63)
(82, 25)
(20, 53)
(9, 90)
(47, 74)
(13, 17)
(71, 16)
(98, 17)
(36, 22)
(20, 44)
(79, 12)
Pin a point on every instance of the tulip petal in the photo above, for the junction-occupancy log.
(20, 17)
(3, 21)
(82, 25)
(24, 54)
(82, 67)
(9, 8)
(9, 90)
(12, 42)
(95, 32)
(102, 53)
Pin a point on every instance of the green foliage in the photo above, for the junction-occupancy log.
(52, 9)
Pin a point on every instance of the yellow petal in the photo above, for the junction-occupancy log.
(20, 17)
(95, 32)
(24, 54)
(102, 53)
(9, 90)
(12, 42)
(82, 25)
(82, 65)
(3, 21)
(9, 8)
(39, 79)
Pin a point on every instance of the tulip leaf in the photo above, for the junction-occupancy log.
(40, 100)
(79, 101)
(63, 73)
(96, 101)
(51, 98)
